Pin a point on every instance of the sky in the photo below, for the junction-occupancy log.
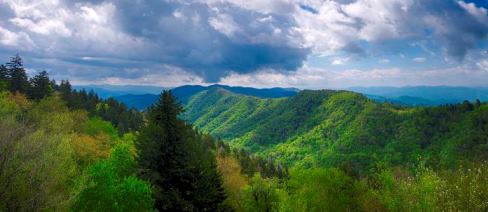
(259, 43)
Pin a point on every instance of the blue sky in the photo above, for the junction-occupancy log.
(292, 43)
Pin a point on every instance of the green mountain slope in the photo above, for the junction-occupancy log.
(341, 128)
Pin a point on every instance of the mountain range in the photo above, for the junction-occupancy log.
(183, 93)
(424, 95)
(106, 91)
(140, 97)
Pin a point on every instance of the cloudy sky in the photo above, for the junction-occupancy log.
(263, 43)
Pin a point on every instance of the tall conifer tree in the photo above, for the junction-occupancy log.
(4, 78)
(177, 161)
(18, 78)
(40, 86)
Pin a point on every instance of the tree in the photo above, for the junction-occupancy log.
(110, 186)
(40, 86)
(18, 77)
(3, 78)
(261, 195)
(174, 158)
(3, 72)
(65, 89)
(478, 103)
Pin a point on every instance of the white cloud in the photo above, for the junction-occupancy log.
(316, 78)
(275, 6)
(479, 12)
(328, 31)
(340, 61)
(12, 39)
(336, 25)
(172, 78)
(44, 27)
(419, 59)
(381, 19)
(84, 27)
(384, 61)
(224, 24)
(483, 65)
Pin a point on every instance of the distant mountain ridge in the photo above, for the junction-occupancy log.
(424, 95)
(183, 93)
(106, 91)
(140, 97)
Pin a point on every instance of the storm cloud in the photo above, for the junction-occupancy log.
(209, 40)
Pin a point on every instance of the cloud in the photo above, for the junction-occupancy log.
(224, 24)
(318, 78)
(339, 61)
(419, 59)
(455, 26)
(483, 65)
(211, 40)
(208, 39)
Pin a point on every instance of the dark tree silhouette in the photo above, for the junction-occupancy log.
(178, 161)
(18, 80)
(41, 86)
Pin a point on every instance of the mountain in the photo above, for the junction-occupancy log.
(259, 92)
(106, 91)
(424, 95)
(183, 93)
(341, 128)
(407, 100)
(139, 102)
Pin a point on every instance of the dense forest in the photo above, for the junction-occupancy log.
(69, 150)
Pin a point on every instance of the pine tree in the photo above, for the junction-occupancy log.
(478, 103)
(4, 78)
(3, 72)
(18, 77)
(177, 161)
(66, 92)
(40, 86)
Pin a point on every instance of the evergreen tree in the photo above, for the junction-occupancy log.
(65, 87)
(3, 77)
(176, 160)
(478, 103)
(18, 77)
(40, 86)
(3, 72)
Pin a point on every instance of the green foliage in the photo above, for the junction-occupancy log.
(261, 195)
(109, 185)
(95, 126)
(3, 85)
(37, 168)
(322, 190)
(41, 86)
(17, 77)
(44, 151)
(342, 129)
(7, 107)
(123, 118)
(177, 161)
(464, 189)
(398, 191)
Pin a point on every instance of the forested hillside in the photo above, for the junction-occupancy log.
(345, 152)
(343, 129)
